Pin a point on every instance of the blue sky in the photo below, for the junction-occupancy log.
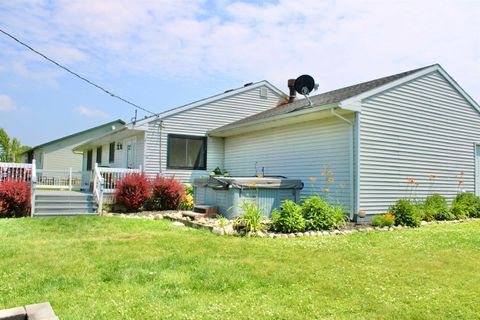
(162, 54)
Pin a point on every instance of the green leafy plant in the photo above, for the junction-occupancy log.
(187, 202)
(319, 215)
(222, 221)
(435, 207)
(251, 218)
(289, 218)
(406, 213)
(466, 205)
(386, 220)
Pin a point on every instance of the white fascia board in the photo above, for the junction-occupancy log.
(217, 97)
(313, 109)
(356, 101)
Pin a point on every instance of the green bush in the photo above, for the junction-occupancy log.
(386, 220)
(406, 213)
(251, 218)
(289, 218)
(466, 205)
(319, 215)
(435, 207)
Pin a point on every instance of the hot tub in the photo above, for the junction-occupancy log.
(228, 193)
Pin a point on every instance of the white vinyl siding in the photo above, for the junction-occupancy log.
(198, 121)
(421, 128)
(298, 151)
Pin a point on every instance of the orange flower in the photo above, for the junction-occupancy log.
(460, 181)
(329, 173)
(361, 212)
(313, 179)
(462, 173)
(323, 173)
(330, 180)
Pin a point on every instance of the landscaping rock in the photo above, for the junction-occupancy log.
(291, 235)
(178, 224)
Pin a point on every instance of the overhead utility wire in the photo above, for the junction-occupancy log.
(76, 74)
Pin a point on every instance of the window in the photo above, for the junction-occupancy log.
(187, 152)
(89, 160)
(111, 153)
(99, 155)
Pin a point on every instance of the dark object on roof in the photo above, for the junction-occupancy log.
(248, 84)
(323, 98)
(304, 84)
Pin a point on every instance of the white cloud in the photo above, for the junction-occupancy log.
(92, 113)
(6, 103)
(339, 42)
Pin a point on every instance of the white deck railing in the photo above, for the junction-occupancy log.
(15, 171)
(60, 179)
(112, 175)
(98, 188)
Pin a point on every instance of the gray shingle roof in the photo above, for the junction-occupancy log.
(322, 99)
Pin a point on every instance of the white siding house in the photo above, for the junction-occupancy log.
(152, 138)
(59, 154)
(368, 139)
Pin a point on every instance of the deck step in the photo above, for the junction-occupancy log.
(64, 203)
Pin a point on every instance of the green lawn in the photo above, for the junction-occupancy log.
(114, 268)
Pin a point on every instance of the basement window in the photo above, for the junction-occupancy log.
(186, 152)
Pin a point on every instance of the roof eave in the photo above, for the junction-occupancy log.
(222, 131)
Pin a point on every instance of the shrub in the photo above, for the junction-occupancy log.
(319, 215)
(466, 205)
(406, 213)
(386, 220)
(165, 194)
(187, 202)
(289, 218)
(435, 207)
(131, 192)
(251, 218)
(14, 199)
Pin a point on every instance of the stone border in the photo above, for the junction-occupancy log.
(40, 311)
(213, 225)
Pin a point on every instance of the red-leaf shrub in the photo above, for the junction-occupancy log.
(165, 194)
(131, 192)
(14, 199)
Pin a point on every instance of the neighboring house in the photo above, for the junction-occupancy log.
(59, 154)
(174, 142)
(359, 145)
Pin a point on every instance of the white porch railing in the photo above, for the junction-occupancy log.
(60, 179)
(15, 171)
(112, 175)
(98, 188)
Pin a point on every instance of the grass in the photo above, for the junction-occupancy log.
(113, 268)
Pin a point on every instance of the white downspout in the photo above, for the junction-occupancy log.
(352, 138)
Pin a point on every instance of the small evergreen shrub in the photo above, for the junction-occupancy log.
(289, 218)
(131, 192)
(466, 205)
(165, 194)
(406, 213)
(319, 215)
(251, 218)
(435, 207)
(14, 199)
(387, 220)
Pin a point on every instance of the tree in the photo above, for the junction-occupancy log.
(10, 149)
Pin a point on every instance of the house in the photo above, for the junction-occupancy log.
(174, 142)
(365, 146)
(59, 155)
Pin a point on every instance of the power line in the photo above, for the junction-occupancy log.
(113, 95)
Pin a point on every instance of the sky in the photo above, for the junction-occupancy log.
(163, 54)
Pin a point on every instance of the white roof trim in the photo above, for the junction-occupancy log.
(201, 102)
(356, 101)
